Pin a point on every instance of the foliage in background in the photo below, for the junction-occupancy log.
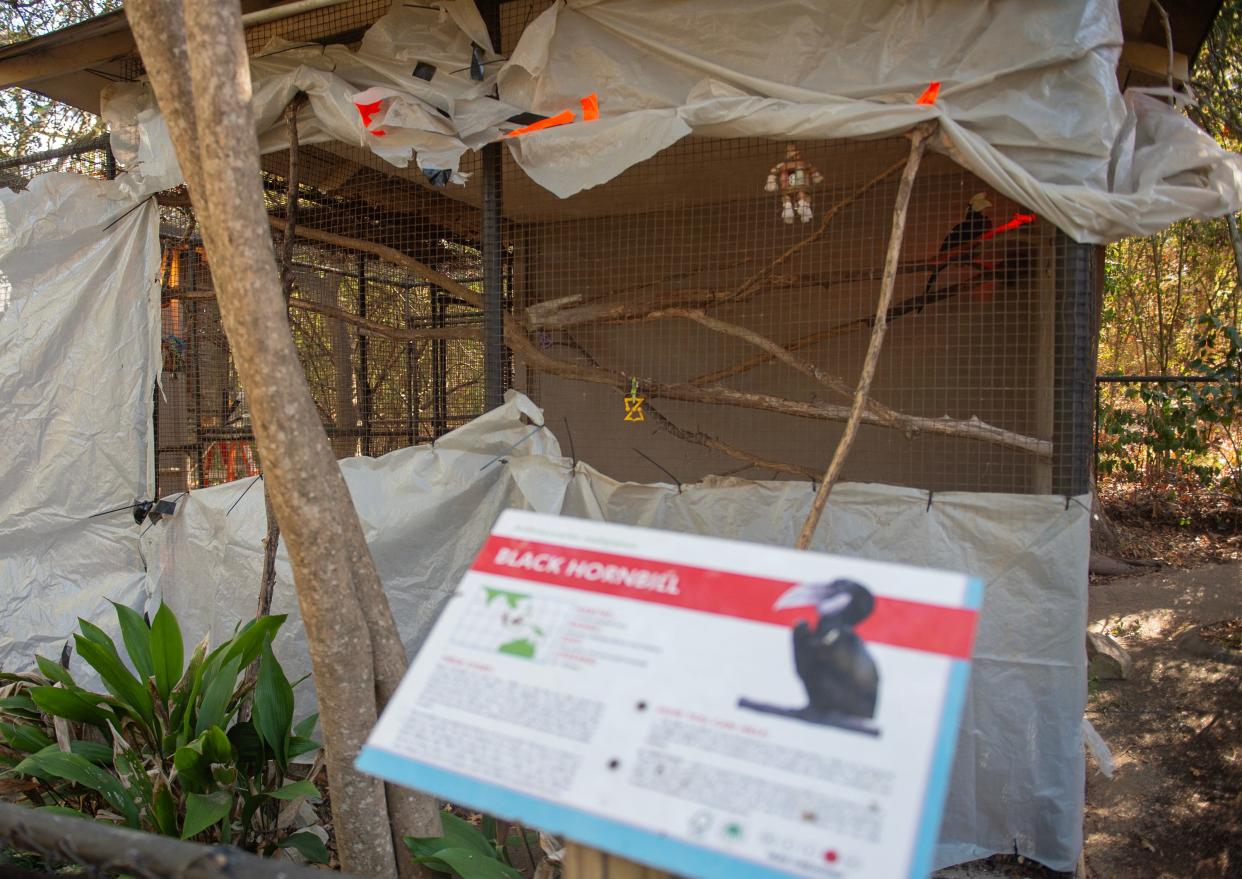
(482, 852)
(1172, 304)
(30, 122)
(165, 749)
(1157, 431)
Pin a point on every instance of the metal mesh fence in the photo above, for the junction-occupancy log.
(745, 331)
(740, 319)
(390, 359)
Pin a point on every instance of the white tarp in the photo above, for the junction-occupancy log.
(79, 354)
(1018, 776)
(1029, 99)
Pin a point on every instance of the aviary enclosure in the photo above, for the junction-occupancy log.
(680, 283)
(686, 281)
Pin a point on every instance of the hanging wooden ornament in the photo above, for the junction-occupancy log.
(793, 179)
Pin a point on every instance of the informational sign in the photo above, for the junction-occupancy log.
(708, 707)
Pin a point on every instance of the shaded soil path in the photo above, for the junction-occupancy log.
(1174, 806)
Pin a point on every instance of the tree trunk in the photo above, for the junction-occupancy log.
(195, 55)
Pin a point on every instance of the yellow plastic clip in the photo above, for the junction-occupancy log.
(634, 403)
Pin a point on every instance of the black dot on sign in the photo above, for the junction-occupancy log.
(614, 764)
(641, 706)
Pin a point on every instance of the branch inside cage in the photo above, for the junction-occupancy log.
(520, 342)
(364, 326)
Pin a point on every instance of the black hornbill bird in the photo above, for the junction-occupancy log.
(840, 676)
(972, 227)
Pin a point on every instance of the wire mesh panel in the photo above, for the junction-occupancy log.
(390, 359)
(90, 158)
(743, 320)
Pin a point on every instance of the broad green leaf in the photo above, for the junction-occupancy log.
(137, 638)
(75, 768)
(249, 746)
(204, 810)
(193, 768)
(299, 746)
(424, 849)
(462, 834)
(24, 737)
(216, 746)
(19, 705)
(96, 752)
(167, 650)
(308, 845)
(248, 643)
(93, 633)
(304, 788)
(186, 691)
(53, 671)
(71, 703)
(116, 677)
(273, 706)
(304, 727)
(467, 862)
(164, 809)
(219, 680)
(133, 776)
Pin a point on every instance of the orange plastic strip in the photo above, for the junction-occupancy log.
(929, 94)
(1018, 221)
(562, 118)
(590, 107)
(368, 111)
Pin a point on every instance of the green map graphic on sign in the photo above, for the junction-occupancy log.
(519, 634)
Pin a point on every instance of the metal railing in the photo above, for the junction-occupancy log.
(1115, 379)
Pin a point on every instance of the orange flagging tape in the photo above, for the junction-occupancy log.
(1018, 221)
(562, 118)
(590, 107)
(368, 111)
(929, 94)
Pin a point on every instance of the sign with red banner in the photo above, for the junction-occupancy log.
(709, 707)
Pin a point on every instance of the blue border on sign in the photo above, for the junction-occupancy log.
(946, 748)
(606, 834)
(658, 850)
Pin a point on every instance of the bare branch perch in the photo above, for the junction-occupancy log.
(918, 146)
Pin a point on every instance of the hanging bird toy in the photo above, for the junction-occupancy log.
(793, 179)
(634, 403)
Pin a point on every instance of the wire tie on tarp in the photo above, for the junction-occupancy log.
(242, 495)
(662, 469)
(538, 428)
(930, 494)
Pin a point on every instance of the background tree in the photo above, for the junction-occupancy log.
(29, 122)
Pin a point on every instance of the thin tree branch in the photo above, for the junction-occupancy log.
(918, 146)
(774, 350)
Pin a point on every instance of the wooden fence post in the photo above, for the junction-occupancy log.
(588, 863)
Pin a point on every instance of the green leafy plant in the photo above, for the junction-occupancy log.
(168, 748)
(471, 852)
(1188, 429)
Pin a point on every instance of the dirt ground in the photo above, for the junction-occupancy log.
(1174, 805)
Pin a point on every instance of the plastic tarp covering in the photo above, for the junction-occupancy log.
(1028, 100)
(79, 351)
(1018, 775)
(370, 97)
